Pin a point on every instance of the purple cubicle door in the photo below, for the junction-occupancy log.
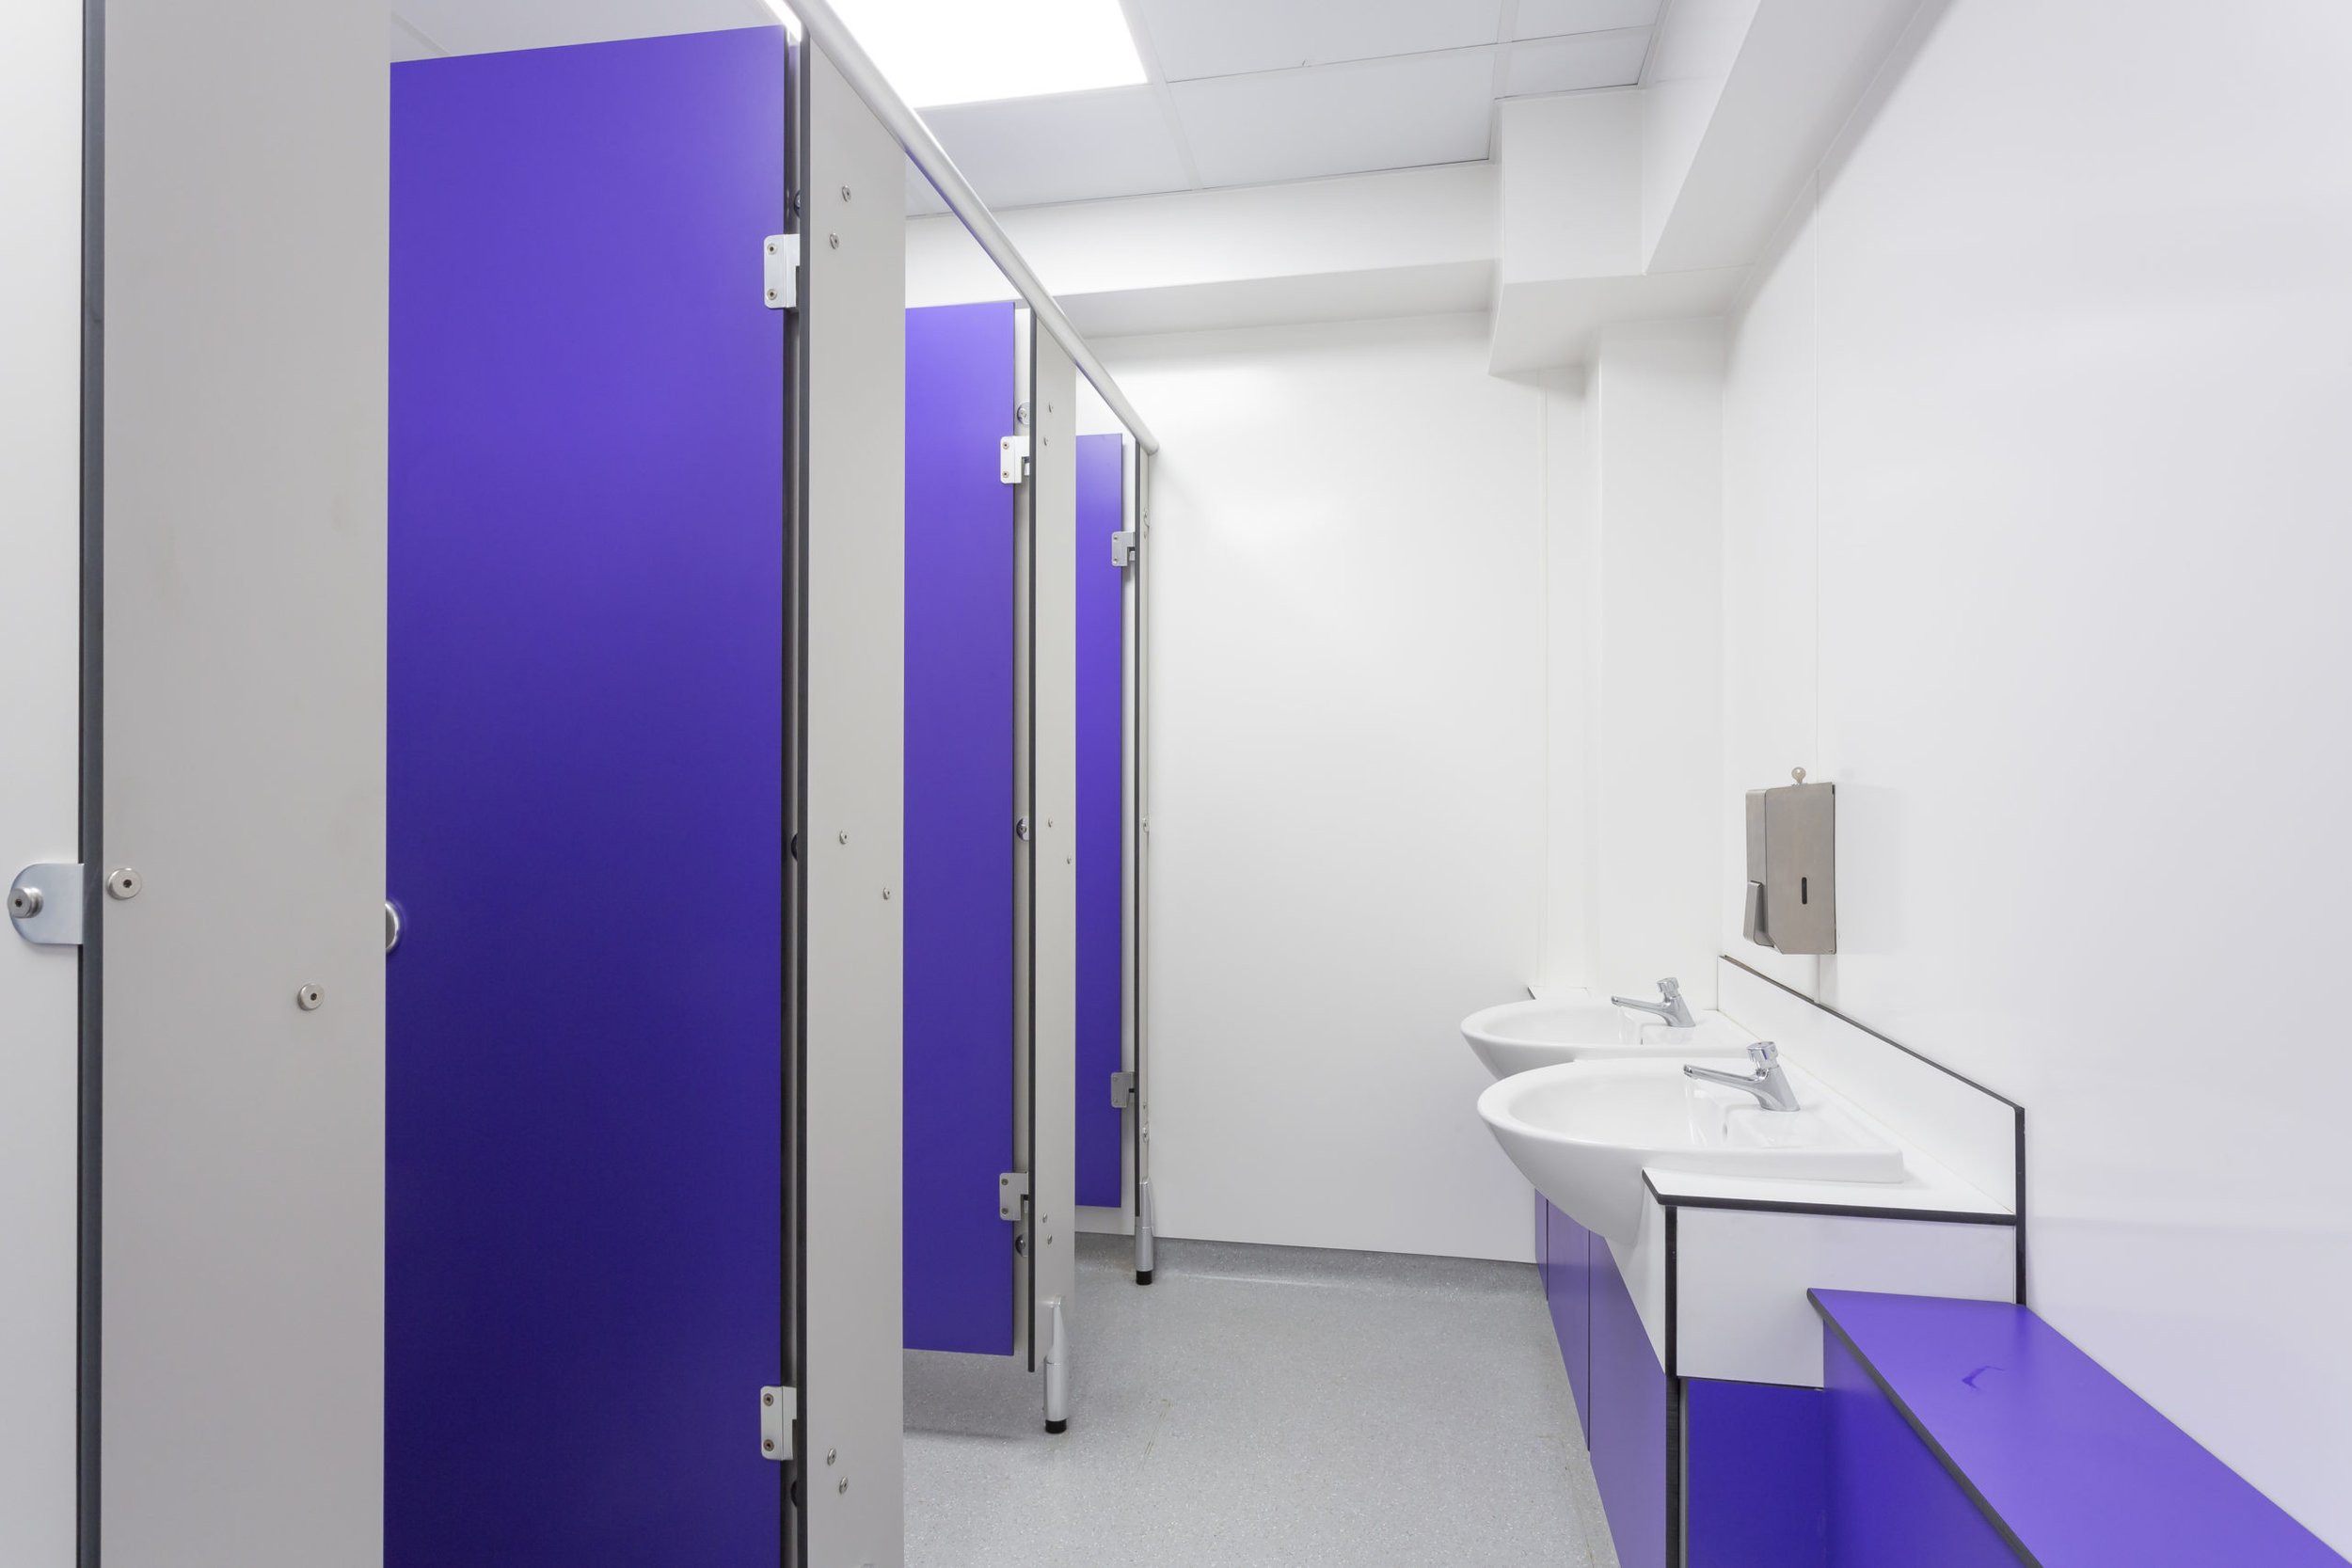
(1102, 512)
(585, 1205)
(962, 399)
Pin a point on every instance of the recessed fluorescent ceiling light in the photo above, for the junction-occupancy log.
(940, 52)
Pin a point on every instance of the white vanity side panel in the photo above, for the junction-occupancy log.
(1742, 1275)
(1644, 1268)
(1968, 1129)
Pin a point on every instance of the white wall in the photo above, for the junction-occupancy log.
(1348, 756)
(1653, 619)
(40, 299)
(1633, 514)
(2035, 531)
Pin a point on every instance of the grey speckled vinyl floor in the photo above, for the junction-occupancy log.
(1260, 1406)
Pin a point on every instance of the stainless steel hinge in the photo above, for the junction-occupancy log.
(1124, 548)
(45, 902)
(777, 1407)
(1122, 1090)
(780, 270)
(1012, 1191)
(1012, 459)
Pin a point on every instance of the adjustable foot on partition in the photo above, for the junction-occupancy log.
(1144, 1244)
(1056, 1371)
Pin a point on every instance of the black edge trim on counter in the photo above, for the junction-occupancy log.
(2020, 1219)
(1916, 1056)
(1677, 1495)
(2020, 1206)
(1842, 1211)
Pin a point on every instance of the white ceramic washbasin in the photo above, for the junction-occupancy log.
(1584, 1132)
(1520, 1037)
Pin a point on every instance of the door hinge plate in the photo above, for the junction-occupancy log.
(1122, 1090)
(780, 270)
(1124, 548)
(1012, 1190)
(777, 1407)
(1012, 459)
(45, 905)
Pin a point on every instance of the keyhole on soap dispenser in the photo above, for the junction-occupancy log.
(1804, 890)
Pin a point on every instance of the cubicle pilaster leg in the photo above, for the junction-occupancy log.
(1056, 1371)
(1144, 1244)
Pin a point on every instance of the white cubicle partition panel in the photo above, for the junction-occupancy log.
(850, 817)
(41, 321)
(1051, 741)
(246, 250)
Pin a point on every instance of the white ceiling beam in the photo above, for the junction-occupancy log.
(1413, 242)
(1744, 98)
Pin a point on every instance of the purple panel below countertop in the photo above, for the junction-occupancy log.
(1569, 1286)
(1753, 1493)
(1630, 1398)
(1102, 510)
(2072, 1465)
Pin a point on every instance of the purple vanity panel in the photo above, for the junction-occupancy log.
(1943, 1412)
(959, 981)
(1753, 1492)
(584, 1065)
(1568, 1285)
(1628, 1424)
(1102, 512)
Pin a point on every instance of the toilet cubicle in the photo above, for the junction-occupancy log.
(1015, 958)
(643, 797)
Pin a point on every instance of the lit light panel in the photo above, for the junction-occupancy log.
(938, 51)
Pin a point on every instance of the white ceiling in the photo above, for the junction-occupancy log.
(1242, 92)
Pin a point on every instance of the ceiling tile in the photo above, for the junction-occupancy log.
(1543, 19)
(1574, 64)
(1026, 151)
(1340, 119)
(485, 26)
(1225, 38)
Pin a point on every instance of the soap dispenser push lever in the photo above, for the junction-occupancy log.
(1767, 1083)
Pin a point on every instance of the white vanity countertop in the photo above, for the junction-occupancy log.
(1927, 1188)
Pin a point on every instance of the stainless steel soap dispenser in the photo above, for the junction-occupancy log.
(1792, 868)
